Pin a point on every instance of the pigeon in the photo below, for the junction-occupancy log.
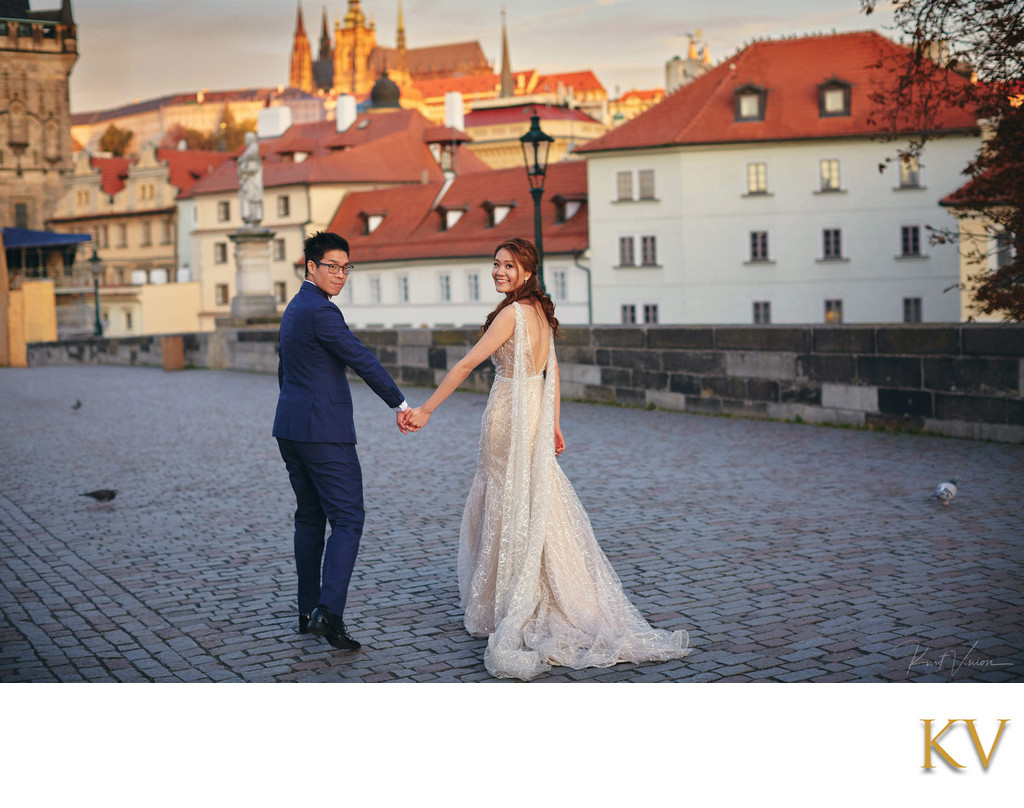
(77, 405)
(946, 491)
(102, 495)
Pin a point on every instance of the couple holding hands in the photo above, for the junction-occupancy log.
(532, 578)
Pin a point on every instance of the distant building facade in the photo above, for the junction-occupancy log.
(753, 195)
(37, 52)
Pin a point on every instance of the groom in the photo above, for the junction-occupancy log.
(317, 438)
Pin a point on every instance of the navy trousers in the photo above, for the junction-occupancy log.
(328, 485)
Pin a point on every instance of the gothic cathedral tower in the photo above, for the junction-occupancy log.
(301, 73)
(352, 47)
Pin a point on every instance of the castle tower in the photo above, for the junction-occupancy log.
(301, 73)
(35, 116)
(507, 90)
(400, 40)
(352, 47)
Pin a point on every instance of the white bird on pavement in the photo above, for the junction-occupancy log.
(946, 491)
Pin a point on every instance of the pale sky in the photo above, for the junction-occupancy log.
(139, 49)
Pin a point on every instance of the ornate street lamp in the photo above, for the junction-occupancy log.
(535, 154)
(96, 267)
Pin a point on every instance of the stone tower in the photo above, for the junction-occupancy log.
(37, 51)
(301, 73)
(352, 47)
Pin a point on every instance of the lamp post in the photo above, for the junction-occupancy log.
(535, 145)
(95, 267)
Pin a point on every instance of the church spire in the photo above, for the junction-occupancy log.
(400, 38)
(325, 40)
(301, 73)
(507, 90)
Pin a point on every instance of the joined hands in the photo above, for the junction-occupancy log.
(412, 420)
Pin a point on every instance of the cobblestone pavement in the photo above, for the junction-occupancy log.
(790, 552)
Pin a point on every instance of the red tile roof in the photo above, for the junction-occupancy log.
(791, 70)
(580, 81)
(186, 168)
(378, 147)
(521, 113)
(412, 230)
(113, 172)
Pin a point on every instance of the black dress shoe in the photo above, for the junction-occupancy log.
(303, 624)
(324, 624)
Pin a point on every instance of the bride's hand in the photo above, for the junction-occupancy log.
(559, 442)
(417, 418)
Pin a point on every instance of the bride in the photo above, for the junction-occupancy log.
(532, 577)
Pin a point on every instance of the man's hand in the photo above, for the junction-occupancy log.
(402, 419)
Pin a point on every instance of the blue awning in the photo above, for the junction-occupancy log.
(22, 237)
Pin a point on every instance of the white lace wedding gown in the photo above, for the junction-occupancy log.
(532, 577)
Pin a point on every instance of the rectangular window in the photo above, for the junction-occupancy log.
(375, 289)
(830, 175)
(646, 182)
(650, 313)
(220, 253)
(1006, 249)
(558, 284)
(624, 185)
(762, 312)
(20, 214)
(222, 294)
(832, 245)
(281, 291)
(147, 234)
(473, 287)
(757, 178)
(910, 171)
(403, 288)
(759, 245)
(627, 257)
(127, 321)
(749, 106)
(628, 313)
(283, 207)
(122, 235)
(446, 288)
(167, 231)
(279, 249)
(224, 211)
(911, 309)
(910, 240)
(649, 250)
(81, 197)
(833, 311)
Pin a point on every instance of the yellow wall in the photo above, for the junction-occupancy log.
(32, 317)
(169, 308)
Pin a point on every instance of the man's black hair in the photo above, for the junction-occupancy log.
(321, 242)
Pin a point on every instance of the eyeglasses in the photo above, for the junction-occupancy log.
(334, 269)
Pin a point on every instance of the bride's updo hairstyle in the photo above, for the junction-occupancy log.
(527, 258)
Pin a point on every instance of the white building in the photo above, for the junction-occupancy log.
(423, 254)
(755, 195)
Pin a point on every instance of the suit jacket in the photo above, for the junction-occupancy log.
(316, 347)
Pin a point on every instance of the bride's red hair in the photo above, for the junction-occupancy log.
(526, 256)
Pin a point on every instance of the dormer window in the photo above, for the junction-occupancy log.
(371, 221)
(750, 102)
(566, 207)
(833, 98)
(497, 211)
(451, 216)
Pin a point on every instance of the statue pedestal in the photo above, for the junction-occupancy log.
(254, 293)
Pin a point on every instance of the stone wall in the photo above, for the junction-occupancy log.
(961, 380)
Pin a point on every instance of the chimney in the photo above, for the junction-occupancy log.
(273, 121)
(345, 113)
(454, 115)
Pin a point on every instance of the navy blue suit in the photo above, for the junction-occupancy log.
(317, 437)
